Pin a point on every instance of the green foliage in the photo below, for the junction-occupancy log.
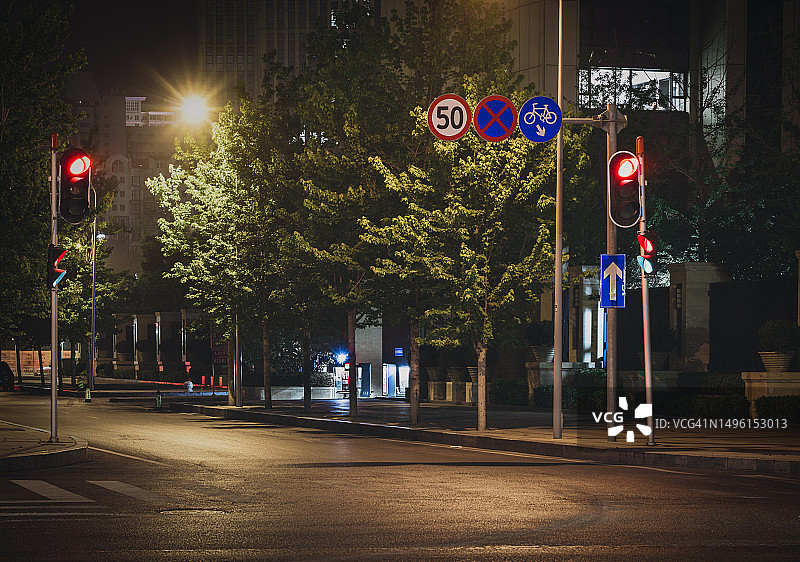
(33, 68)
(710, 383)
(779, 407)
(779, 335)
(509, 392)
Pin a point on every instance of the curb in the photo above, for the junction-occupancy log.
(75, 450)
(620, 456)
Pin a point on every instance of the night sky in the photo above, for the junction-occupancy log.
(146, 47)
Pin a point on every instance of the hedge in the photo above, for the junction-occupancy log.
(780, 407)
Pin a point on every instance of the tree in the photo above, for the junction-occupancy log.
(33, 68)
(477, 228)
(350, 108)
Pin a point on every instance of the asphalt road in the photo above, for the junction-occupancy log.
(182, 486)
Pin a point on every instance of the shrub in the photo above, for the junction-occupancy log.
(779, 407)
(711, 383)
(509, 392)
(778, 335)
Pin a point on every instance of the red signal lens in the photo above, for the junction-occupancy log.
(79, 165)
(647, 245)
(627, 168)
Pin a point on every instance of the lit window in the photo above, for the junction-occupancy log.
(632, 88)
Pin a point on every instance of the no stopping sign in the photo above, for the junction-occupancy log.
(449, 117)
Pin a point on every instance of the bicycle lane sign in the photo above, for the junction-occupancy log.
(539, 119)
(495, 118)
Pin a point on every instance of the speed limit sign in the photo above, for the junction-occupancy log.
(449, 117)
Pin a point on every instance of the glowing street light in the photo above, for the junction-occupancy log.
(194, 110)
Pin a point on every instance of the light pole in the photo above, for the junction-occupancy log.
(93, 344)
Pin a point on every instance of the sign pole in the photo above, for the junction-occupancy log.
(648, 373)
(610, 358)
(54, 348)
(558, 312)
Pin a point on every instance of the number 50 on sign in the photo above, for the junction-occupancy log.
(449, 117)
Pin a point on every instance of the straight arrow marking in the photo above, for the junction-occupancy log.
(613, 271)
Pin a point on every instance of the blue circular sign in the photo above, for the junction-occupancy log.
(495, 118)
(539, 119)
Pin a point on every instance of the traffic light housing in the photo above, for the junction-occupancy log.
(623, 189)
(54, 272)
(74, 178)
(647, 252)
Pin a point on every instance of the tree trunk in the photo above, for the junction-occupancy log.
(414, 374)
(306, 369)
(480, 350)
(73, 366)
(265, 346)
(237, 362)
(231, 376)
(41, 366)
(352, 375)
(19, 361)
(60, 366)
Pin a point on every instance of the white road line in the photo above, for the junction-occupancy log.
(129, 490)
(26, 426)
(53, 493)
(54, 514)
(127, 456)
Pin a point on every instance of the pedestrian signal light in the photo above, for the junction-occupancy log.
(647, 252)
(623, 189)
(54, 273)
(74, 178)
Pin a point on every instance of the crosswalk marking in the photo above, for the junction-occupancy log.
(128, 490)
(51, 492)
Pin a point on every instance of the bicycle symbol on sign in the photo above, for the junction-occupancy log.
(543, 113)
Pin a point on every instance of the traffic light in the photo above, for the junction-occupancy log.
(647, 253)
(54, 273)
(623, 189)
(74, 177)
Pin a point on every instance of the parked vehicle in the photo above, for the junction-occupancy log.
(6, 376)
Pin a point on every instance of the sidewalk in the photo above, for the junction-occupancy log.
(23, 449)
(519, 430)
(530, 431)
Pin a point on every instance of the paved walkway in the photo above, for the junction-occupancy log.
(766, 451)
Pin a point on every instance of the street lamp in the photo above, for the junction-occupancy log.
(194, 110)
(95, 237)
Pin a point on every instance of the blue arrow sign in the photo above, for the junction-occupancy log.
(612, 280)
(540, 119)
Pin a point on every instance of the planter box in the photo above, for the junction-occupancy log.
(437, 390)
(776, 361)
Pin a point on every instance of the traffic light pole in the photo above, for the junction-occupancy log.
(54, 348)
(648, 374)
(611, 121)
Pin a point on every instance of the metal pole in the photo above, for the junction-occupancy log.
(92, 349)
(54, 348)
(611, 248)
(648, 373)
(237, 366)
(558, 313)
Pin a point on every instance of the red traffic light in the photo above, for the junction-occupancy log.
(647, 252)
(647, 242)
(79, 166)
(75, 173)
(624, 207)
(627, 169)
